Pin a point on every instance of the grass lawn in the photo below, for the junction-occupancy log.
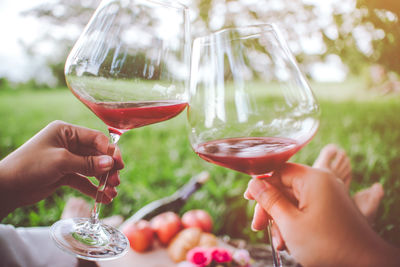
(159, 159)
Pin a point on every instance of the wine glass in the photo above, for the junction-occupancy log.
(250, 108)
(130, 66)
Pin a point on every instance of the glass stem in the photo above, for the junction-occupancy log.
(276, 257)
(94, 216)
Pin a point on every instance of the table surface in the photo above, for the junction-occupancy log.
(157, 257)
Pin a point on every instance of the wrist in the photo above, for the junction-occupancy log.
(380, 253)
(386, 255)
(6, 201)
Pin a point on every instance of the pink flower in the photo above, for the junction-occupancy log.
(199, 256)
(220, 255)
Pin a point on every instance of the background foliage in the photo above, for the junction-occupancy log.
(159, 159)
(359, 32)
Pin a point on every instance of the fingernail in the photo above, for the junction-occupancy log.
(245, 194)
(256, 188)
(253, 228)
(105, 162)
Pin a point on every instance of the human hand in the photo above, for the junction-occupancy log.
(60, 154)
(322, 226)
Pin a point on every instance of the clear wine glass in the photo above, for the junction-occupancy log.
(250, 108)
(130, 66)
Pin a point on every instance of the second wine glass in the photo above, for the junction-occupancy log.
(130, 68)
(250, 107)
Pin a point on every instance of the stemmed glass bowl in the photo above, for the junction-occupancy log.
(250, 107)
(130, 67)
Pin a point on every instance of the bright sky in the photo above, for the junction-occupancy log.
(17, 30)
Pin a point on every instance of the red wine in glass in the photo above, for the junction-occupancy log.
(123, 116)
(250, 155)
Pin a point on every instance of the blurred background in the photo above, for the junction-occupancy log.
(348, 49)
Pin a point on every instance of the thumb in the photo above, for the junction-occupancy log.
(272, 200)
(86, 165)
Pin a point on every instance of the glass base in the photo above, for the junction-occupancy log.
(95, 242)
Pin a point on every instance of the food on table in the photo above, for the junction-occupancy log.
(188, 239)
(140, 235)
(197, 218)
(174, 202)
(166, 225)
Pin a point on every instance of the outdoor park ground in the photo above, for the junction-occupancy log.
(158, 158)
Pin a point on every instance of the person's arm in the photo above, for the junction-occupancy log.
(324, 227)
(60, 154)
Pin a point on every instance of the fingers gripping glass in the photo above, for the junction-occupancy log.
(250, 108)
(130, 67)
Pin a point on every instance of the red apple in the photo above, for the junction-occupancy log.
(197, 218)
(140, 235)
(166, 225)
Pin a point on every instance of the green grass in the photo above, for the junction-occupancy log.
(158, 158)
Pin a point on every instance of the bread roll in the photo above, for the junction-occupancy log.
(187, 239)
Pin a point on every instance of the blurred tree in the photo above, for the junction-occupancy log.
(368, 33)
(296, 18)
(68, 16)
(358, 31)
(67, 19)
(65, 11)
(385, 17)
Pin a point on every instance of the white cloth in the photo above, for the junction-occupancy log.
(31, 247)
